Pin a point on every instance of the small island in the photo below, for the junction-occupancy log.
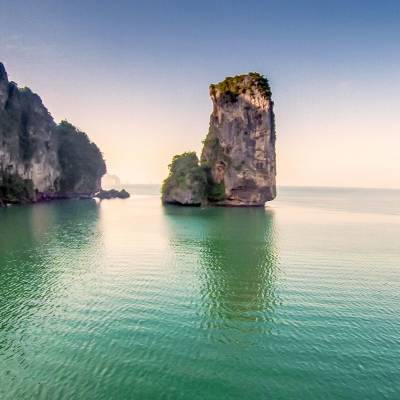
(237, 166)
(112, 194)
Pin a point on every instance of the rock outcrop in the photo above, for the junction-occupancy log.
(112, 194)
(238, 158)
(240, 146)
(39, 159)
(186, 183)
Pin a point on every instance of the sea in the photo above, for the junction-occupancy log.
(127, 299)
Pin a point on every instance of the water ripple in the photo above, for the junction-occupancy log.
(125, 299)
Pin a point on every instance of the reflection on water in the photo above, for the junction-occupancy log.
(127, 299)
(24, 226)
(40, 251)
(237, 262)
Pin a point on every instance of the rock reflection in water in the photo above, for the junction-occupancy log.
(237, 263)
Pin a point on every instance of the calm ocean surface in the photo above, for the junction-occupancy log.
(125, 299)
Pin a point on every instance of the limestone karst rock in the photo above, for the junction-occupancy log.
(240, 146)
(238, 158)
(38, 158)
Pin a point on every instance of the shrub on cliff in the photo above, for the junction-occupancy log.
(14, 189)
(186, 182)
(82, 164)
(214, 191)
(189, 182)
(233, 86)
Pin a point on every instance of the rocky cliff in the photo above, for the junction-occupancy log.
(238, 158)
(38, 158)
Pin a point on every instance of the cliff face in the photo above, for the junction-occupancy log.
(33, 151)
(240, 146)
(238, 164)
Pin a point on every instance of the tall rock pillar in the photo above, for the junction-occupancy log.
(239, 150)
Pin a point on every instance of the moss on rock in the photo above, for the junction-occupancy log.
(186, 182)
(240, 84)
(190, 183)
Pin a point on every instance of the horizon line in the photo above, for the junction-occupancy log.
(286, 186)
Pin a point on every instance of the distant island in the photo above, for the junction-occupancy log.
(39, 159)
(237, 166)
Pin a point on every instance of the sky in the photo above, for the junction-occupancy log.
(134, 75)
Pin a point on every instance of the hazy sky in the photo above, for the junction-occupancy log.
(135, 74)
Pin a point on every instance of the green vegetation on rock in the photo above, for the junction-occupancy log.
(240, 84)
(214, 191)
(215, 151)
(14, 189)
(40, 159)
(186, 181)
(81, 161)
(189, 182)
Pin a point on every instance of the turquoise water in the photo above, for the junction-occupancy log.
(125, 299)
